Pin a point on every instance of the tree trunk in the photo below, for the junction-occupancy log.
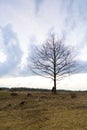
(54, 87)
(54, 66)
(54, 84)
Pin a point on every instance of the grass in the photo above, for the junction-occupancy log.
(43, 111)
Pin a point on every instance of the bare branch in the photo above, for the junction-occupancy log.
(53, 60)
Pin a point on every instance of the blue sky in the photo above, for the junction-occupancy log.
(27, 22)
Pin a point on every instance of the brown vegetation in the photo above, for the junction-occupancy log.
(73, 95)
(14, 94)
(43, 111)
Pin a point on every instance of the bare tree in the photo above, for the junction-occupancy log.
(53, 60)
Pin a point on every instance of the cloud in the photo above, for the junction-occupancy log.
(12, 3)
(82, 66)
(37, 18)
(10, 49)
(37, 5)
(25, 69)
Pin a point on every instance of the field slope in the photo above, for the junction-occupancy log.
(43, 111)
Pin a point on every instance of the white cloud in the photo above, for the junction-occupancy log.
(83, 54)
(35, 19)
(3, 57)
(10, 52)
(56, 14)
(71, 83)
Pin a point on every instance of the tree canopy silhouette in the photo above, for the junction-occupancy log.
(53, 60)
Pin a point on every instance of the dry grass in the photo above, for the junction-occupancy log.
(43, 111)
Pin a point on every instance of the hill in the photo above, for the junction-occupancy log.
(36, 110)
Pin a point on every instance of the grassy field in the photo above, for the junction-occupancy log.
(43, 111)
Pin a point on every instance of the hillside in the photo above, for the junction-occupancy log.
(34, 110)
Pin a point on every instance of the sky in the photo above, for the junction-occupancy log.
(24, 23)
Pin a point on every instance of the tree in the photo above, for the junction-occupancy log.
(53, 60)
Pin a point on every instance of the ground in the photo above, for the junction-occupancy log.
(43, 110)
